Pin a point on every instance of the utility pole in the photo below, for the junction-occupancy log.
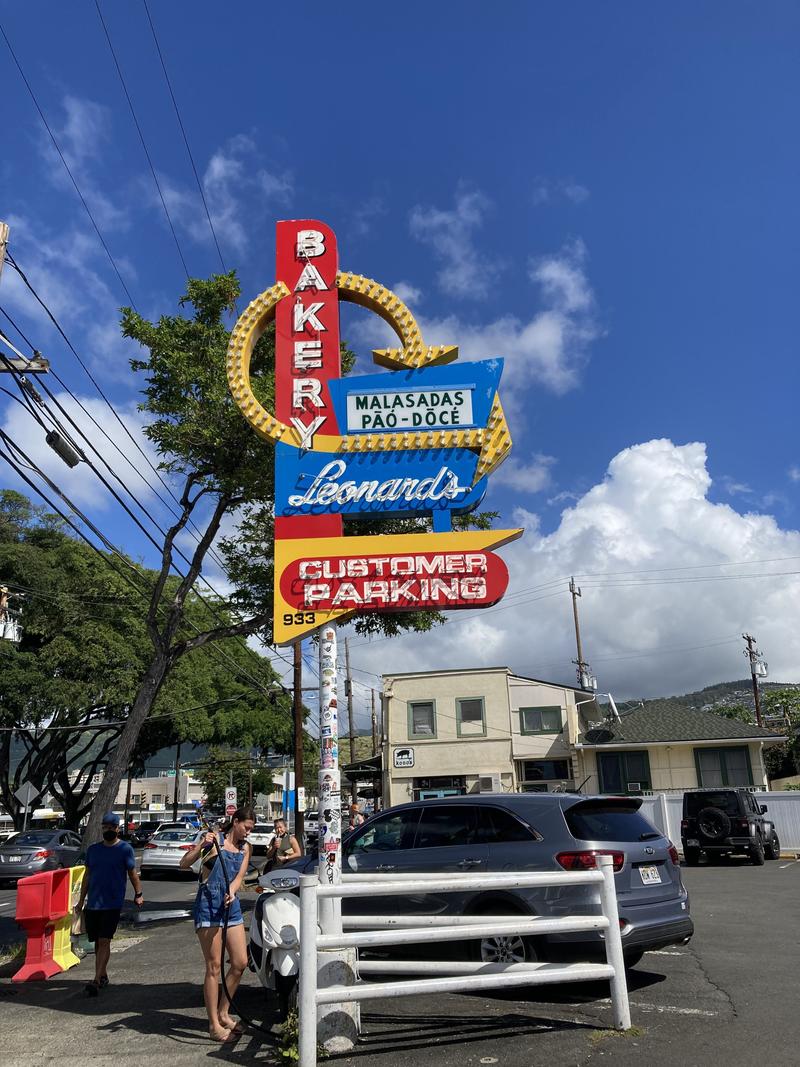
(128, 799)
(758, 668)
(583, 670)
(374, 726)
(17, 364)
(177, 782)
(297, 705)
(348, 690)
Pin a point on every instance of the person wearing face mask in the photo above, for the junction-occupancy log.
(107, 865)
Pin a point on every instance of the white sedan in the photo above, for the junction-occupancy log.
(261, 836)
(166, 848)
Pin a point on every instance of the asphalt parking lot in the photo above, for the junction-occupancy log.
(728, 997)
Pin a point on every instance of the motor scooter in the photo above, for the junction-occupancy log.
(274, 949)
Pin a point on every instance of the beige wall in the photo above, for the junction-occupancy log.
(672, 767)
(470, 754)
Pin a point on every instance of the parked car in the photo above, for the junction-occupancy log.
(34, 851)
(527, 832)
(720, 822)
(311, 825)
(142, 833)
(260, 837)
(165, 849)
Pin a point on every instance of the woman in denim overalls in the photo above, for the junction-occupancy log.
(212, 902)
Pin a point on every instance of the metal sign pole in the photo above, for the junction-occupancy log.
(330, 791)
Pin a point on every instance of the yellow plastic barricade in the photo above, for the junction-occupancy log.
(62, 944)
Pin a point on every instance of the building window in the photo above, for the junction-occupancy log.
(156, 798)
(422, 718)
(540, 720)
(545, 770)
(624, 772)
(426, 788)
(470, 717)
(723, 766)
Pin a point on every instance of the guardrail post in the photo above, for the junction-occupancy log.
(307, 987)
(614, 954)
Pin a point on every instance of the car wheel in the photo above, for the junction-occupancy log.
(691, 856)
(773, 849)
(507, 948)
(757, 853)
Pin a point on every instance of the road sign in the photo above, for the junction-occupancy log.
(230, 800)
(26, 794)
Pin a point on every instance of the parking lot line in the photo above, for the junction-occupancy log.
(666, 1009)
(7, 904)
(663, 952)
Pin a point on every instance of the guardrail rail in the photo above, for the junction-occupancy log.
(374, 931)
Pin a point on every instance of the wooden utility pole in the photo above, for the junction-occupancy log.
(374, 726)
(297, 705)
(754, 656)
(177, 782)
(582, 667)
(17, 364)
(348, 689)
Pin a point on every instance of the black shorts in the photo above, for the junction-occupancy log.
(101, 922)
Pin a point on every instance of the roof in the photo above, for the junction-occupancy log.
(676, 724)
(481, 670)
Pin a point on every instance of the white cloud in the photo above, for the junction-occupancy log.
(232, 180)
(794, 474)
(660, 630)
(465, 271)
(530, 475)
(547, 190)
(80, 483)
(83, 135)
(548, 349)
(407, 292)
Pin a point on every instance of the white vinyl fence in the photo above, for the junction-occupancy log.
(664, 810)
(375, 931)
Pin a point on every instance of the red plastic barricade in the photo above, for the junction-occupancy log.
(41, 900)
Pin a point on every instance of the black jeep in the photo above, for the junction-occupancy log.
(721, 821)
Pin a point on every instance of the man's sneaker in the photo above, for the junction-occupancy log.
(104, 981)
(92, 989)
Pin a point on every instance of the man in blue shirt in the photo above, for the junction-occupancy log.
(108, 863)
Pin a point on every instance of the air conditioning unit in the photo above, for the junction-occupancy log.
(634, 787)
(491, 783)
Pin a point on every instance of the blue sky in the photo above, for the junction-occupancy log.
(604, 195)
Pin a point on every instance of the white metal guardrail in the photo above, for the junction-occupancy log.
(380, 931)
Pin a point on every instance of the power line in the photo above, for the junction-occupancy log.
(141, 137)
(57, 147)
(183, 134)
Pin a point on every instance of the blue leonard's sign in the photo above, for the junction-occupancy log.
(430, 481)
(434, 481)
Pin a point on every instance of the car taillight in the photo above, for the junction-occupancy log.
(673, 854)
(42, 854)
(186, 848)
(744, 825)
(148, 845)
(587, 860)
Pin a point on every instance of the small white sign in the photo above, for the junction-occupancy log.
(403, 757)
(230, 795)
(26, 794)
(410, 409)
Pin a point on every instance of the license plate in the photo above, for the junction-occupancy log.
(650, 875)
(15, 859)
(692, 842)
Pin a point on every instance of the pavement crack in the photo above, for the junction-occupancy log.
(714, 985)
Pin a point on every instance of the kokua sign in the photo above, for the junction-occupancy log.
(418, 441)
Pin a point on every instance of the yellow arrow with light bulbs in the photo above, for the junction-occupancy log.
(493, 443)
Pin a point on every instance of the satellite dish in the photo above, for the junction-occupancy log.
(600, 735)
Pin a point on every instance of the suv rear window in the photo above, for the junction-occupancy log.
(724, 800)
(604, 821)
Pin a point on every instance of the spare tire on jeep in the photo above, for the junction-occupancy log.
(713, 823)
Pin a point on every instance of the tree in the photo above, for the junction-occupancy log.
(783, 761)
(66, 688)
(228, 766)
(226, 472)
(736, 711)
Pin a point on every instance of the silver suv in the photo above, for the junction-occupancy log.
(528, 832)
